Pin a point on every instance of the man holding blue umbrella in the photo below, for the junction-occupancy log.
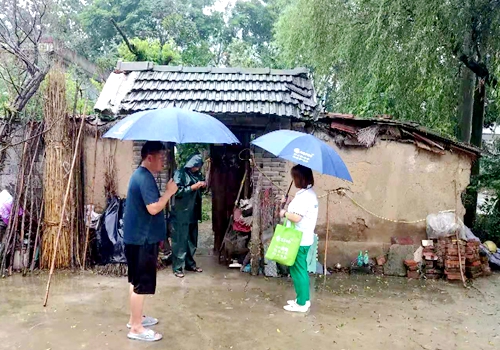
(144, 218)
(144, 228)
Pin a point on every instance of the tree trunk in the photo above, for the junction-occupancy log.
(29, 89)
(476, 140)
(256, 225)
(466, 90)
(466, 105)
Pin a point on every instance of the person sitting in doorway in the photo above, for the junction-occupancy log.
(185, 215)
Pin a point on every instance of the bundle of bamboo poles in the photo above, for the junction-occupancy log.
(56, 172)
(19, 242)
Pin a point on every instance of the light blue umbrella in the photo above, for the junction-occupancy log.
(306, 150)
(172, 125)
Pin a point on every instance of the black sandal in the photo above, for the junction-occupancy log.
(179, 274)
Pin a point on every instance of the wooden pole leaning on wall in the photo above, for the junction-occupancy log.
(256, 224)
(37, 236)
(327, 239)
(458, 238)
(89, 216)
(63, 211)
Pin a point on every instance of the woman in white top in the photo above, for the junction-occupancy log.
(303, 211)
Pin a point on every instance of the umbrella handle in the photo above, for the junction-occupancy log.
(286, 195)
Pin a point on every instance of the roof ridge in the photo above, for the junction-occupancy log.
(150, 66)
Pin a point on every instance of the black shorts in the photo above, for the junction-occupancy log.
(141, 261)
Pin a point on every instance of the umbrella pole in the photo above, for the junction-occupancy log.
(327, 233)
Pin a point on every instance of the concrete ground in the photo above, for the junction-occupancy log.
(223, 309)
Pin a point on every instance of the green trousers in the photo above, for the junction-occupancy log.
(184, 238)
(300, 276)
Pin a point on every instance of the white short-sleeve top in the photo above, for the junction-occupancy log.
(305, 204)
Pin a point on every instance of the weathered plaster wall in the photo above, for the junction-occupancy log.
(122, 153)
(393, 180)
(10, 168)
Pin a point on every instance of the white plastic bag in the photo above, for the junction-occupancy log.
(6, 202)
(94, 217)
(443, 225)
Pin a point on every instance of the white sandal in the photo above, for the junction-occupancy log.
(147, 321)
(148, 335)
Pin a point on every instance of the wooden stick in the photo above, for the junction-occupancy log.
(30, 185)
(239, 191)
(14, 215)
(18, 210)
(256, 225)
(68, 187)
(37, 237)
(5, 249)
(232, 214)
(91, 201)
(73, 204)
(32, 200)
(327, 232)
(458, 239)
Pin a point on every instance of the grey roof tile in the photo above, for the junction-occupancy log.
(287, 93)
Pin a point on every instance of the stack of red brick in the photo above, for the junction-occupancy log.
(378, 268)
(485, 264)
(432, 269)
(473, 265)
(412, 269)
(448, 257)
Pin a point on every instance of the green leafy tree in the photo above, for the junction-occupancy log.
(394, 57)
(487, 226)
(149, 50)
(251, 29)
(182, 22)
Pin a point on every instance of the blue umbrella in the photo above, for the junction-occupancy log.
(306, 150)
(172, 125)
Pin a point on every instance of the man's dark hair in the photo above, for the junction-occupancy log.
(302, 176)
(151, 148)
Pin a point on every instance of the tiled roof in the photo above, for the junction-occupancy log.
(138, 86)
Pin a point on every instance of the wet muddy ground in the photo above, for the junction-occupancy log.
(223, 309)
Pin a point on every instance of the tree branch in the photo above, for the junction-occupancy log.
(130, 46)
(10, 81)
(34, 136)
(479, 69)
(29, 90)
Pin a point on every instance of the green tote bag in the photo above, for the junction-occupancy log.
(285, 244)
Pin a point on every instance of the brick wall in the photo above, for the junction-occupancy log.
(274, 168)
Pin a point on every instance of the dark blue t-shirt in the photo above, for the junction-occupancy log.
(139, 226)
